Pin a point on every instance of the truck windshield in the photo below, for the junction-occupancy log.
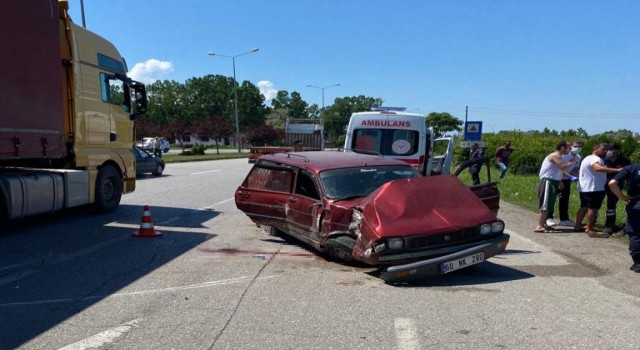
(387, 142)
(361, 181)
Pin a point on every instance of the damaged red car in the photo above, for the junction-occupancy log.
(375, 210)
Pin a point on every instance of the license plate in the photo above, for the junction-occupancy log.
(461, 263)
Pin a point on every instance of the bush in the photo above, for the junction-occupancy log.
(195, 150)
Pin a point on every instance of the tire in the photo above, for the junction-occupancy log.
(108, 189)
(158, 170)
(270, 230)
(340, 248)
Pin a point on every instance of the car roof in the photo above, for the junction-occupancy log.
(317, 161)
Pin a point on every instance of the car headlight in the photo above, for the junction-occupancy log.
(497, 226)
(395, 243)
(485, 229)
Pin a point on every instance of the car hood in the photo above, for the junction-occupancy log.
(423, 206)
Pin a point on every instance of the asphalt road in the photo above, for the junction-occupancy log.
(214, 281)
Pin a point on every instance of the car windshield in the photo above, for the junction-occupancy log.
(361, 181)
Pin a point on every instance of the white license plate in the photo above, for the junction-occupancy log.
(461, 263)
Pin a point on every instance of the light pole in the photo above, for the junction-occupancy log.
(322, 88)
(235, 91)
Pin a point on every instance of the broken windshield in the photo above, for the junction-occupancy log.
(361, 181)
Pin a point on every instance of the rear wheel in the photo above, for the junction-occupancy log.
(340, 247)
(108, 189)
(270, 230)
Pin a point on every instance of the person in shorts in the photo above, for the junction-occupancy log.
(549, 185)
(591, 182)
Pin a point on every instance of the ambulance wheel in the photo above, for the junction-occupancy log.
(108, 189)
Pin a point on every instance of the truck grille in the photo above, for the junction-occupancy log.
(448, 238)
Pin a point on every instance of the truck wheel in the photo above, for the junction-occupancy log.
(340, 248)
(158, 171)
(108, 189)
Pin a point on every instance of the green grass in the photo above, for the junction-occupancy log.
(179, 158)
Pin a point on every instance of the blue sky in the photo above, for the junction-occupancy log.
(524, 65)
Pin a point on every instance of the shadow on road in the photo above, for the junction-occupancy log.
(53, 267)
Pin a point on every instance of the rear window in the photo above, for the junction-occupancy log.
(270, 178)
(361, 181)
(388, 142)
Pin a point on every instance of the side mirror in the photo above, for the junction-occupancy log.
(140, 99)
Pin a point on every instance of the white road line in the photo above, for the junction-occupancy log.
(205, 172)
(161, 228)
(142, 292)
(406, 334)
(104, 338)
(217, 204)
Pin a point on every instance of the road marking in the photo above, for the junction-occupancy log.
(104, 338)
(161, 228)
(205, 172)
(406, 334)
(141, 292)
(217, 204)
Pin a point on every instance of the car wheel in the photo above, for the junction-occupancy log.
(340, 248)
(158, 170)
(270, 230)
(108, 189)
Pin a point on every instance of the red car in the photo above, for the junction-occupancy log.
(375, 210)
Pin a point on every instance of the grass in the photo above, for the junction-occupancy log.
(179, 158)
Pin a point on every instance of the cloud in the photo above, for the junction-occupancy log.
(150, 71)
(267, 90)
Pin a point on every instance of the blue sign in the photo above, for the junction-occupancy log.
(473, 131)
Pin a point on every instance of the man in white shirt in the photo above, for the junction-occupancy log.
(568, 176)
(591, 182)
(549, 184)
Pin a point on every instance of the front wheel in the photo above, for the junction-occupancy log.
(341, 248)
(158, 170)
(108, 189)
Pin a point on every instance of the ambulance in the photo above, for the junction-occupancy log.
(392, 132)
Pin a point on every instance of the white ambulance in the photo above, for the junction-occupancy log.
(392, 132)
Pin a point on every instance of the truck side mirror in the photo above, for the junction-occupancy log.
(140, 96)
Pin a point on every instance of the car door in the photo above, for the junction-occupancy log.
(304, 206)
(487, 190)
(442, 156)
(265, 192)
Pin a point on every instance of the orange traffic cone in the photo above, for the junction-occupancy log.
(146, 226)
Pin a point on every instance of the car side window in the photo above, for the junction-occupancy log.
(270, 180)
(305, 185)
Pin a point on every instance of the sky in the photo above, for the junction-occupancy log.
(517, 65)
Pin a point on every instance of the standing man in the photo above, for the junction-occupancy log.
(502, 158)
(615, 160)
(474, 170)
(549, 184)
(157, 147)
(631, 174)
(591, 184)
(568, 175)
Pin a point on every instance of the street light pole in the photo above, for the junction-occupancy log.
(235, 91)
(322, 110)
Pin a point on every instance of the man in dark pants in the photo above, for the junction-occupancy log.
(474, 170)
(569, 175)
(613, 159)
(631, 174)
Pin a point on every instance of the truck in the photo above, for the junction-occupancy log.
(299, 135)
(68, 107)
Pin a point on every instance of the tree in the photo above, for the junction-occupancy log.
(442, 123)
(336, 117)
(251, 108)
(297, 106)
(263, 135)
(282, 100)
(277, 118)
(215, 127)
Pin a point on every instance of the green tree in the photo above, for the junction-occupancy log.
(297, 106)
(251, 108)
(443, 123)
(281, 101)
(336, 117)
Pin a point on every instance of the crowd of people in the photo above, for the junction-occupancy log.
(600, 175)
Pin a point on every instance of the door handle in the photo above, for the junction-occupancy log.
(244, 194)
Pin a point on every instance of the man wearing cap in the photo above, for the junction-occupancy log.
(631, 174)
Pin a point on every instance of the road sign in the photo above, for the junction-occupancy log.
(473, 131)
(467, 144)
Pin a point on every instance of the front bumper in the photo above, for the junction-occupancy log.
(431, 267)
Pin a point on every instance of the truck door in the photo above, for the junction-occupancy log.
(442, 156)
(117, 95)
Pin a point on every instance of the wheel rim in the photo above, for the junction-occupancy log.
(108, 190)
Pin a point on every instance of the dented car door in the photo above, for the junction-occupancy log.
(304, 207)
